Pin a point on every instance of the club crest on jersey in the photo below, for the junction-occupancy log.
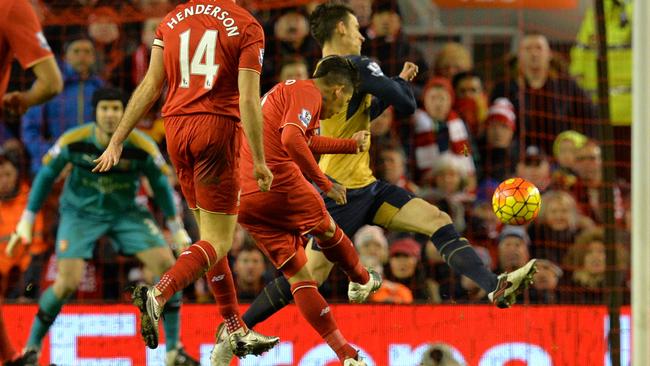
(305, 117)
(42, 41)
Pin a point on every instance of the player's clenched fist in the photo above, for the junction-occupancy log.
(409, 72)
(338, 194)
(23, 233)
(108, 159)
(362, 139)
(264, 177)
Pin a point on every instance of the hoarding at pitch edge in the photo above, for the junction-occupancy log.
(390, 335)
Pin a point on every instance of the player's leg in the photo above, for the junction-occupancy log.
(158, 260)
(418, 216)
(277, 293)
(137, 234)
(287, 254)
(206, 156)
(68, 277)
(313, 306)
(76, 238)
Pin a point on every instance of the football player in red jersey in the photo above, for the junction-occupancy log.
(279, 219)
(21, 37)
(210, 53)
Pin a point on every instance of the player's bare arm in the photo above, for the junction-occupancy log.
(143, 98)
(48, 84)
(251, 118)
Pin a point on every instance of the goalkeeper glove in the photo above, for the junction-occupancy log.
(180, 238)
(23, 233)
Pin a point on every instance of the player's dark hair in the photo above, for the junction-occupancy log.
(325, 17)
(107, 94)
(337, 70)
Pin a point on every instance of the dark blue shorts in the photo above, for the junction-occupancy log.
(364, 203)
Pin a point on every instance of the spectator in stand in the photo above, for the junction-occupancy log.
(112, 60)
(393, 168)
(383, 135)
(496, 148)
(555, 229)
(151, 123)
(449, 180)
(589, 168)
(404, 267)
(552, 101)
(387, 43)
(363, 10)
(535, 168)
(140, 58)
(587, 261)
(390, 292)
(42, 125)
(370, 241)
(13, 199)
(545, 283)
(438, 129)
(249, 270)
(565, 147)
(471, 102)
(290, 39)
(513, 248)
(451, 59)
(293, 68)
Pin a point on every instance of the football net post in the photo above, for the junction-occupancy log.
(640, 190)
(612, 280)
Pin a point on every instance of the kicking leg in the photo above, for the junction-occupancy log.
(421, 217)
(338, 248)
(313, 306)
(277, 293)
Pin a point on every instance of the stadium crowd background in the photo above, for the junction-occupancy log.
(481, 119)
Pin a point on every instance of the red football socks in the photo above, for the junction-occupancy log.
(7, 352)
(315, 310)
(340, 250)
(189, 267)
(222, 285)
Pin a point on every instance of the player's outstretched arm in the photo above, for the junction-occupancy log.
(53, 163)
(394, 91)
(141, 101)
(47, 85)
(359, 142)
(251, 118)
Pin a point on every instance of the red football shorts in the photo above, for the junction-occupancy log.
(204, 149)
(278, 220)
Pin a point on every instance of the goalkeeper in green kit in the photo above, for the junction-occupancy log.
(95, 205)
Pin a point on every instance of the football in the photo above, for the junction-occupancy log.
(516, 201)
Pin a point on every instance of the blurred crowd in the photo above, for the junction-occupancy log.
(536, 120)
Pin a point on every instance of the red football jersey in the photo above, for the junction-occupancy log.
(20, 36)
(292, 102)
(205, 45)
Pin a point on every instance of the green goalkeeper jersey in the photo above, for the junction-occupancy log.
(102, 195)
